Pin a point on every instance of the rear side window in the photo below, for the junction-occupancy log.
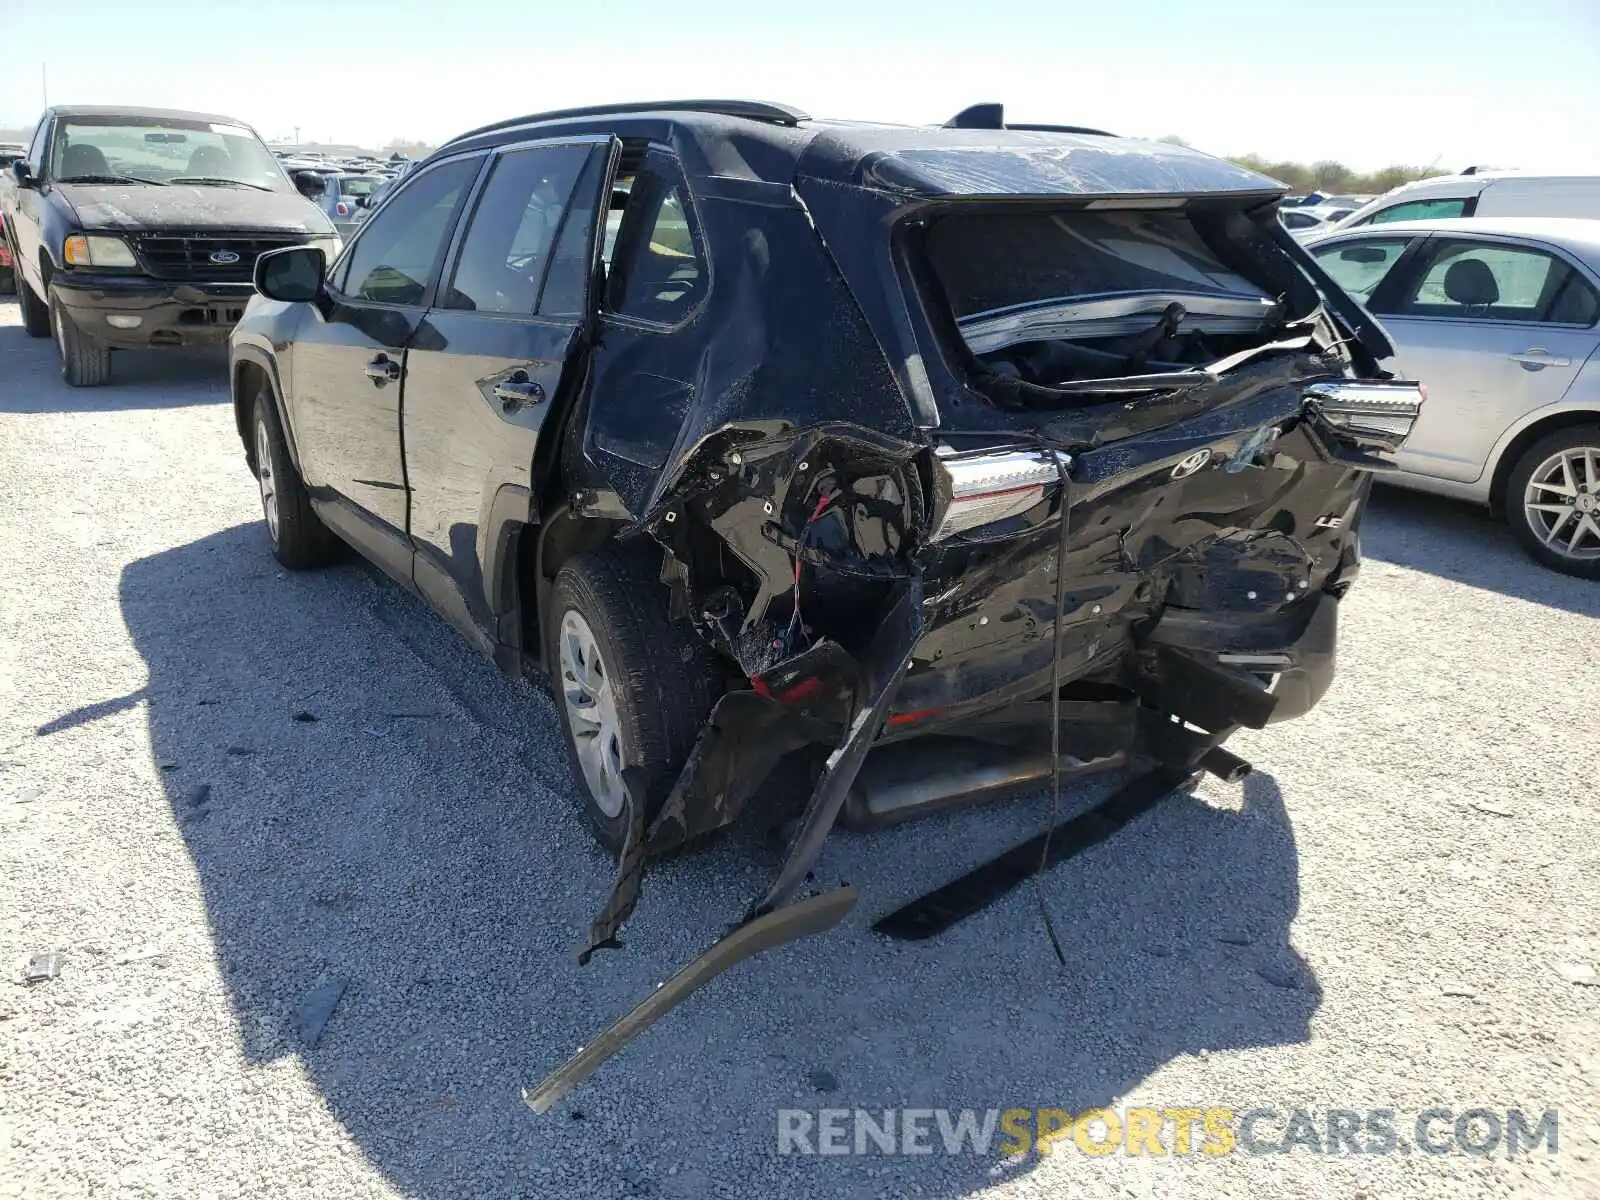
(506, 251)
(393, 259)
(1492, 281)
(1419, 210)
(658, 270)
(991, 261)
(1359, 267)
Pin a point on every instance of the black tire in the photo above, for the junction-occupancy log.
(299, 539)
(35, 313)
(1522, 528)
(665, 679)
(85, 362)
(8, 281)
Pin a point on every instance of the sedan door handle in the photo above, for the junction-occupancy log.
(515, 392)
(1539, 357)
(382, 369)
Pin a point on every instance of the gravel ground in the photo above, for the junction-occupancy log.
(1385, 915)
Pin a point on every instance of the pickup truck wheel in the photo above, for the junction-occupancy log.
(8, 281)
(35, 314)
(299, 539)
(84, 361)
(634, 686)
(1552, 501)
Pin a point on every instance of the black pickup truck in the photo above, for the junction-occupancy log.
(136, 227)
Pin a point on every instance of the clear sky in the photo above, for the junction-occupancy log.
(1370, 82)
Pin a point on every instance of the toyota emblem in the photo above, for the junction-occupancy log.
(223, 257)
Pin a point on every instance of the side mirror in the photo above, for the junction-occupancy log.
(293, 274)
(22, 173)
(310, 184)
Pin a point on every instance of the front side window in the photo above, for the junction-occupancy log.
(1419, 210)
(1498, 281)
(393, 259)
(658, 270)
(166, 150)
(506, 252)
(1359, 267)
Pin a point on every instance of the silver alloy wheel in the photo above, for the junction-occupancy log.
(264, 476)
(592, 713)
(1562, 502)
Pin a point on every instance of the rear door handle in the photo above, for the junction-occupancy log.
(517, 391)
(382, 369)
(1539, 357)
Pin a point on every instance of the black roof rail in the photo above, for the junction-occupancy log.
(750, 110)
(993, 116)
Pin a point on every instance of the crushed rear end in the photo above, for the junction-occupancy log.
(1115, 526)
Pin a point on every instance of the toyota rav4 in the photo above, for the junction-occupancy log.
(933, 457)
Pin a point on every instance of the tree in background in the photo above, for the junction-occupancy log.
(1327, 175)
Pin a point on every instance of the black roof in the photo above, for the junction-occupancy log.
(159, 114)
(774, 143)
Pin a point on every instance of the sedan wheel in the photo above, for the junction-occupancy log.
(1552, 500)
(592, 714)
(1563, 501)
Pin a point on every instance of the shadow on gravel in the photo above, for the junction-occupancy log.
(381, 824)
(164, 378)
(1465, 543)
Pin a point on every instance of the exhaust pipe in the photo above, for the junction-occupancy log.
(908, 779)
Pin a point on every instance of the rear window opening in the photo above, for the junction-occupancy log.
(1063, 300)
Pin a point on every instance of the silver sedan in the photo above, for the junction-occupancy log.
(1498, 318)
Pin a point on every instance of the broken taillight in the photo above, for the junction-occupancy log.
(1373, 415)
(989, 486)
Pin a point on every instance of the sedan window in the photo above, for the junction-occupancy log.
(1419, 210)
(507, 247)
(393, 259)
(1359, 267)
(1498, 282)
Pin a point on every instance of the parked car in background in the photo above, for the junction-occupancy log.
(345, 197)
(1500, 317)
(137, 227)
(8, 278)
(1483, 194)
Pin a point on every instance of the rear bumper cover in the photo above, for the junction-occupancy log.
(168, 313)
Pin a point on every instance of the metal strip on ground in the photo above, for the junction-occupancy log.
(932, 914)
(802, 919)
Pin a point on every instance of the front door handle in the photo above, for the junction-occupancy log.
(517, 391)
(1539, 357)
(382, 370)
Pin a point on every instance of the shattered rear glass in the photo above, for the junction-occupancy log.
(988, 261)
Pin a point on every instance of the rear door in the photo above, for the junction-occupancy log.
(349, 359)
(1496, 328)
(486, 365)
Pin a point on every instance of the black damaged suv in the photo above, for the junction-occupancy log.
(764, 434)
(137, 227)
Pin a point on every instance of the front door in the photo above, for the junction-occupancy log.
(348, 369)
(1495, 329)
(487, 365)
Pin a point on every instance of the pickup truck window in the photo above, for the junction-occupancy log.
(158, 151)
(393, 259)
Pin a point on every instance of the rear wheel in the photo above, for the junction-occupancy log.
(634, 685)
(299, 539)
(35, 314)
(8, 281)
(1552, 501)
(85, 362)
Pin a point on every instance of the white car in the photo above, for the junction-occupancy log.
(1482, 194)
(1500, 319)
